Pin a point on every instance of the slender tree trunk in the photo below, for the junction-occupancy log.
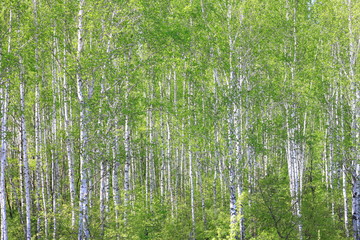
(3, 154)
(199, 178)
(84, 166)
(294, 151)
(169, 166)
(162, 156)
(356, 202)
(37, 157)
(115, 180)
(234, 233)
(355, 93)
(151, 163)
(126, 166)
(239, 167)
(192, 198)
(44, 175)
(69, 150)
(344, 192)
(37, 126)
(294, 165)
(216, 139)
(54, 157)
(27, 182)
(3, 160)
(104, 173)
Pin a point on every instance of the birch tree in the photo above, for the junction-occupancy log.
(355, 95)
(3, 197)
(24, 154)
(84, 161)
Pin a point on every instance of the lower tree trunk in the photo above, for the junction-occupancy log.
(346, 221)
(4, 104)
(192, 200)
(356, 202)
(126, 166)
(234, 233)
(25, 158)
(115, 180)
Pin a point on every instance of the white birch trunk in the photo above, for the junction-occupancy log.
(103, 174)
(127, 165)
(294, 150)
(133, 175)
(83, 232)
(199, 178)
(239, 167)
(356, 202)
(234, 233)
(233, 135)
(69, 150)
(233, 210)
(355, 96)
(216, 142)
(344, 192)
(45, 190)
(151, 166)
(168, 157)
(115, 179)
(103, 169)
(192, 199)
(147, 176)
(24, 154)
(162, 157)
(295, 166)
(115, 186)
(37, 126)
(37, 157)
(3, 131)
(54, 158)
(3, 159)
(21, 183)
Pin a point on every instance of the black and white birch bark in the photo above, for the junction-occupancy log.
(83, 231)
(4, 96)
(24, 153)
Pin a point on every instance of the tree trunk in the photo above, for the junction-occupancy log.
(126, 166)
(24, 154)
(192, 198)
(69, 150)
(355, 93)
(84, 166)
(115, 179)
(3, 160)
(54, 150)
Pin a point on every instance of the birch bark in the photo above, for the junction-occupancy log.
(115, 180)
(37, 122)
(27, 182)
(127, 164)
(151, 162)
(168, 157)
(54, 157)
(69, 150)
(355, 111)
(83, 232)
(294, 150)
(192, 199)
(3, 159)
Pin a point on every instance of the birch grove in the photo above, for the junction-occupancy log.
(179, 119)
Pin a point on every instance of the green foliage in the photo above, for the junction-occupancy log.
(229, 78)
